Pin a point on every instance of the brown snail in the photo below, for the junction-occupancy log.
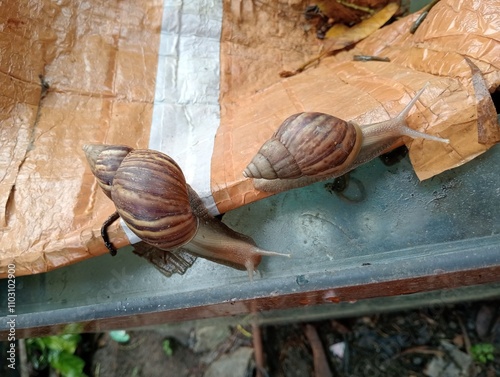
(309, 147)
(152, 197)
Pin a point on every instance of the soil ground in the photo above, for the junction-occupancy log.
(432, 341)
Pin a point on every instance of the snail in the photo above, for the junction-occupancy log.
(309, 147)
(152, 197)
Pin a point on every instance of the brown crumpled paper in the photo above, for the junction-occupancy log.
(453, 106)
(71, 73)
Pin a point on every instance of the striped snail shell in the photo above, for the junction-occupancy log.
(307, 144)
(309, 147)
(104, 160)
(150, 194)
(152, 197)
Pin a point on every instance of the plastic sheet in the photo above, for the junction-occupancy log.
(96, 72)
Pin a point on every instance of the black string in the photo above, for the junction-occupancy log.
(104, 233)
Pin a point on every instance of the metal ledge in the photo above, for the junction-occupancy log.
(404, 237)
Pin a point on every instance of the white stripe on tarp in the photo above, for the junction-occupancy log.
(186, 111)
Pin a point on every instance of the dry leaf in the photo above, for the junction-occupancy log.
(340, 36)
(336, 31)
(361, 30)
(486, 112)
(350, 12)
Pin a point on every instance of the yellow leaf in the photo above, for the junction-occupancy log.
(336, 30)
(341, 36)
(361, 30)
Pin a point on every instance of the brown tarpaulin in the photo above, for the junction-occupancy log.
(253, 107)
(97, 60)
(78, 73)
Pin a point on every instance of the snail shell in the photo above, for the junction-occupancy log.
(305, 144)
(139, 192)
(104, 161)
(310, 147)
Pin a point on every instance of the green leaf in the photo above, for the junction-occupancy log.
(483, 352)
(488, 348)
(67, 364)
(167, 348)
(35, 343)
(66, 342)
(37, 353)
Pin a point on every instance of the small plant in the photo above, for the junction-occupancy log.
(483, 352)
(56, 352)
(167, 348)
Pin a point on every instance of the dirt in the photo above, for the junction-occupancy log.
(394, 344)
(143, 356)
(409, 343)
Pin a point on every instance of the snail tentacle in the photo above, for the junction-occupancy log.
(216, 241)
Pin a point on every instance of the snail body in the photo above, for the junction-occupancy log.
(309, 147)
(152, 197)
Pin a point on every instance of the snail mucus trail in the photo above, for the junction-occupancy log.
(309, 147)
(152, 197)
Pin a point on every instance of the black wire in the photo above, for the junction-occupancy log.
(104, 233)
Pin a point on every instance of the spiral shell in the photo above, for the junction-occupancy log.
(307, 144)
(150, 194)
(104, 161)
